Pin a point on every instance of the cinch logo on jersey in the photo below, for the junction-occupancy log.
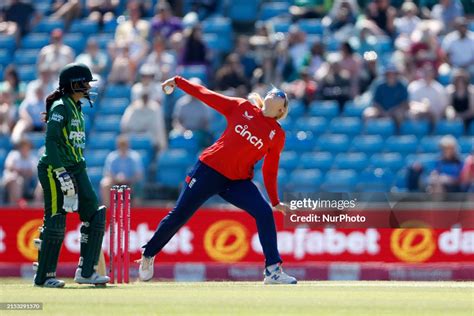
(78, 138)
(254, 140)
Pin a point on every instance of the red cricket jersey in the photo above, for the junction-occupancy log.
(248, 137)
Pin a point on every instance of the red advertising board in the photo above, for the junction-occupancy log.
(230, 236)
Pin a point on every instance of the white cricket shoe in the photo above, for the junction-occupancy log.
(95, 278)
(274, 275)
(146, 269)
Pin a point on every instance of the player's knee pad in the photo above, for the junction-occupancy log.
(54, 228)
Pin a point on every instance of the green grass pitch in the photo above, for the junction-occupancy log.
(246, 298)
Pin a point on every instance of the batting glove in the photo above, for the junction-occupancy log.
(70, 203)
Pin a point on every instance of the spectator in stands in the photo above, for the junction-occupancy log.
(164, 23)
(93, 58)
(335, 82)
(281, 68)
(8, 28)
(424, 50)
(7, 113)
(461, 98)
(144, 116)
(190, 114)
(368, 71)
(447, 11)
(176, 45)
(122, 167)
(204, 7)
(102, 11)
(44, 81)
(22, 13)
(194, 50)
(446, 175)
(247, 58)
(134, 33)
(30, 118)
(164, 62)
(459, 47)
(231, 74)
(304, 88)
(13, 84)
(408, 21)
(381, 17)
(342, 18)
(390, 97)
(122, 71)
(351, 63)
(57, 54)
(314, 59)
(297, 46)
(68, 10)
(467, 174)
(19, 177)
(429, 92)
(147, 83)
(308, 9)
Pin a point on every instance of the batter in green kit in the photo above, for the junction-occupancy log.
(67, 188)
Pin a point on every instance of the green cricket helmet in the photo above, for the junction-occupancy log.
(73, 78)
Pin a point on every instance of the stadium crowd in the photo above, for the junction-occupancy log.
(376, 87)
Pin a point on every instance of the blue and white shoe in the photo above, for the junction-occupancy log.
(51, 283)
(274, 275)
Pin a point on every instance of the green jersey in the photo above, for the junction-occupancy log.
(65, 134)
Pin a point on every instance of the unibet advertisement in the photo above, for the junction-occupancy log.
(230, 236)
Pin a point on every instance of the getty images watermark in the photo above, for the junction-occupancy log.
(379, 210)
(324, 217)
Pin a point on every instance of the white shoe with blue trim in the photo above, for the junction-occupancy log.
(274, 275)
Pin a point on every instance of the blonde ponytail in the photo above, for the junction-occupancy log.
(256, 99)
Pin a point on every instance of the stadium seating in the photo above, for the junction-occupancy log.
(327, 109)
(96, 158)
(355, 161)
(324, 149)
(113, 106)
(340, 181)
(273, 9)
(172, 167)
(392, 160)
(311, 26)
(315, 125)
(350, 126)
(368, 144)
(299, 141)
(289, 160)
(48, 25)
(317, 160)
(26, 56)
(383, 127)
(419, 128)
(243, 11)
(402, 144)
(333, 143)
(455, 128)
(302, 180)
(35, 41)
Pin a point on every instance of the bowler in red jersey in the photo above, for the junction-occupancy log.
(226, 168)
